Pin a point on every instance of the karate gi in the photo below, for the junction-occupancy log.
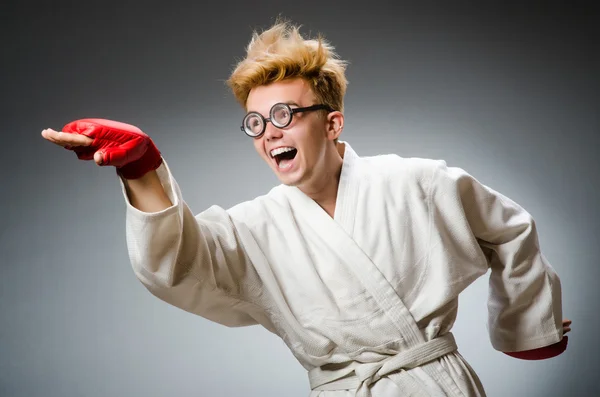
(365, 300)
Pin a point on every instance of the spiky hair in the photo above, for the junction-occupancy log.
(280, 53)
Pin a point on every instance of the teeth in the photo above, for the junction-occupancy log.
(280, 150)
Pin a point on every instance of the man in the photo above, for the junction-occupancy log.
(356, 263)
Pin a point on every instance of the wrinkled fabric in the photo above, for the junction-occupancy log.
(379, 278)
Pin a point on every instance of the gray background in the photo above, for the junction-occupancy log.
(509, 93)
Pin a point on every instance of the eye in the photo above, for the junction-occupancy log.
(254, 123)
(282, 115)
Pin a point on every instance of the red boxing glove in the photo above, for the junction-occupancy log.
(122, 145)
(543, 352)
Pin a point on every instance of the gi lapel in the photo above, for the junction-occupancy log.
(348, 187)
(337, 232)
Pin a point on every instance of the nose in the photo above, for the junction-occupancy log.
(272, 132)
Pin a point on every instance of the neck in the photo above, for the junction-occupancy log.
(324, 189)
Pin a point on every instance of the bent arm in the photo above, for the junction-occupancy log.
(524, 304)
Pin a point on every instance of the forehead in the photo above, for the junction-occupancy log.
(293, 91)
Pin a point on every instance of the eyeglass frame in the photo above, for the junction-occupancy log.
(289, 108)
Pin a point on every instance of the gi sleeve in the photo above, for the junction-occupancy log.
(524, 302)
(193, 262)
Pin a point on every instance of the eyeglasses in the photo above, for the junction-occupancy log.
(281, 115)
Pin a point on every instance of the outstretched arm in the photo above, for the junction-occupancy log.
(196, 263)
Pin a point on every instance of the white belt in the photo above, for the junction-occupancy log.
(366, 374)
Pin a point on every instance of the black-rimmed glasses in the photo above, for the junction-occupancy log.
(280, 115)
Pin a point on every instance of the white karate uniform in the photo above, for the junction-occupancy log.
(365, 300)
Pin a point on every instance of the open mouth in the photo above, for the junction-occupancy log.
(284, 156)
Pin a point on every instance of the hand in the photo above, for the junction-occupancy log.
(109, 142)
(546, 352)
(70, 141)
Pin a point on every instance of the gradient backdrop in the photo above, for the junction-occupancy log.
(510, 93)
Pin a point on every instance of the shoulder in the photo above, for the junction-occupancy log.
(260, 209)
(394, 162)
(395, 167)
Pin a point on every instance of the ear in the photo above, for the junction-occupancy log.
(335, 125)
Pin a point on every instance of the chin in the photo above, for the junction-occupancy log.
(289, 180)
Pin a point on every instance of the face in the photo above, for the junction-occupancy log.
(300, 152)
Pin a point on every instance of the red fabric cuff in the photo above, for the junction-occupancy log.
(542, 353)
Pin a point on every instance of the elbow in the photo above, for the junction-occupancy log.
(163, 274)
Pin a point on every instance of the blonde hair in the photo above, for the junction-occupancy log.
(280, 53)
